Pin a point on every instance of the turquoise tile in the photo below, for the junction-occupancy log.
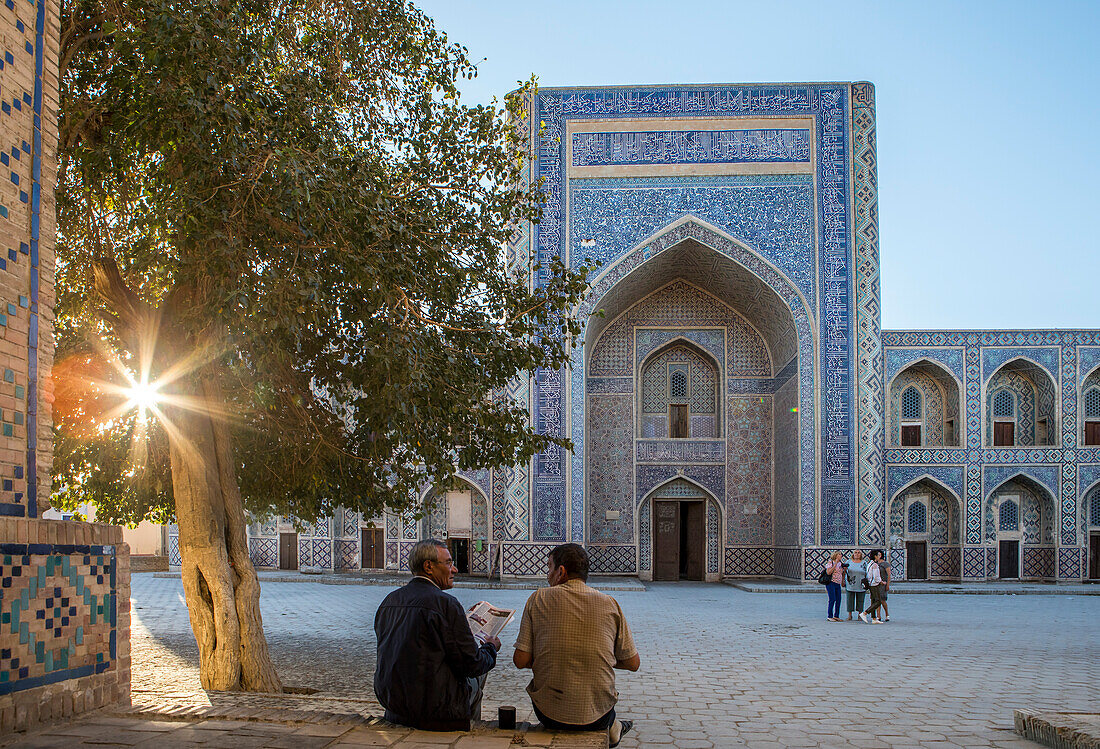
(19, 392)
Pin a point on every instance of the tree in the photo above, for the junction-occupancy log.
(282, 231)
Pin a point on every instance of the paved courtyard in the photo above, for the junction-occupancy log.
(720, 667)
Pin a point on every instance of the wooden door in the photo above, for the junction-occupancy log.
(1010, 560)
(1092, 432)
(916, 560)
(666, 540)
(460, 554)
(910, 435)
(678, 422)
(693, 540)
(1004, 434)
(372, 549)
(1094, 556)
(288, 551)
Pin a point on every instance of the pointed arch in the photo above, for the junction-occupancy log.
(725, 267)
(941, 422)
(1036, 395)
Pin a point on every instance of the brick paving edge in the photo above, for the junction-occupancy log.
(1059, 730)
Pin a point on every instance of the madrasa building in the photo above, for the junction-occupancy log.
(736, 409)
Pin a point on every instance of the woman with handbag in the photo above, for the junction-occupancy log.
(835, 570)
(853, 583)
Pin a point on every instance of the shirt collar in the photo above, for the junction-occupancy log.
(425, 577)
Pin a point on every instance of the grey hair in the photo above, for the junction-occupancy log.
(424, 551)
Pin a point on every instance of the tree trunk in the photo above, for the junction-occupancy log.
(222, 589)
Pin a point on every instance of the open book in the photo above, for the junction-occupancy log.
(487, 621)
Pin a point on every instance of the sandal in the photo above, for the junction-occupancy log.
(624, 727)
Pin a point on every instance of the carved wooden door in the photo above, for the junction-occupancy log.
(693, 540)
(1010, 560)
(666, 540)
(288, 551)
(916, 560)
(372, 549)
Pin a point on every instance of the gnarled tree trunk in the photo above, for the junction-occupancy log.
(220, 583)
(222, 589)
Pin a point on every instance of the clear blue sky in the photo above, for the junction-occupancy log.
(988, 124)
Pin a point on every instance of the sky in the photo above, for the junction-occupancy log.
(988, 114)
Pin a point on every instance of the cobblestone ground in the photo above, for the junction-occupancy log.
(720, 667)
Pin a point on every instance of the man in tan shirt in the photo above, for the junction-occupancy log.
(572, 637)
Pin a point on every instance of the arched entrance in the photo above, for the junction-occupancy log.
(1019, 524)
(460, 517)
(681, 541)
(698, 367)
(925, 524)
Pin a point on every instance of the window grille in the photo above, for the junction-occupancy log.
(1004, 405)
(1010, 516)
(1092, 403)
(678, 385)
(918, 518)
(910, 404)
(1094, 508)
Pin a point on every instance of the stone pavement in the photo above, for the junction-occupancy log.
(721, 667)
(101, 731)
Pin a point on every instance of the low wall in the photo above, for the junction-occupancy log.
(64, 620)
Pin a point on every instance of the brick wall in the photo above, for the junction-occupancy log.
(28, 173)
(64, 620)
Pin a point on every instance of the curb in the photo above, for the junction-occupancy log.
(903, 589)
(390, 582)
(1059, 730)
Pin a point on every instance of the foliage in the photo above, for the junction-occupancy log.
(317, 220)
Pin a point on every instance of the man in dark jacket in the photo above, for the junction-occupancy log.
(430, 671)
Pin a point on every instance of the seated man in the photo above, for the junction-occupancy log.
(572, 636)
(430, 671)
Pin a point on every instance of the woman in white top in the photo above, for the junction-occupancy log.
(874, 579)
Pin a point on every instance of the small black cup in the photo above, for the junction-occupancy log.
(506, 717)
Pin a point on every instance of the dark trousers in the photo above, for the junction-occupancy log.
(876, 601)
(834, 599)
(855, 602)
(596, 725)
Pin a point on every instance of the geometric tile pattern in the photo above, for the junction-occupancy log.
(347, 554)
(1071, 564)
(748, 471)
(610, 434)
(869, 358)
(263, 552)
(57, 613)
(714, 539)
(973, 563)
(744, 561)
(620, 560)
(526, 559)
(1038, 562)
(944, 562)
(788, 563)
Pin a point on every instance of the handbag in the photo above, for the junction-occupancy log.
(824, 578)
